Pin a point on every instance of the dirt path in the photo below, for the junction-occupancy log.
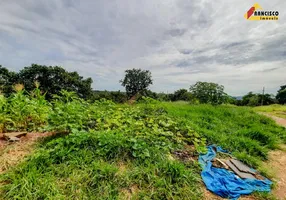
(277, 162)
(278, 120)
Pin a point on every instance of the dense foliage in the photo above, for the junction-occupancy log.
(115, 96)
(103, 136)
(7, 80)
(281, 95)
(51, 80)
(206, 92)
(23, 112)
(182, 95)
(136, 81)
(119, 151)
(252, 99)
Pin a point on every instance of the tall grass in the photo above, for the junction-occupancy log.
(121, 151)
(238, 129)
(87, 163)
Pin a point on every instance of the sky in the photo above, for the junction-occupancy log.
(179, 41)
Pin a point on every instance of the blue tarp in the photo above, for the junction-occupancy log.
(224, 182)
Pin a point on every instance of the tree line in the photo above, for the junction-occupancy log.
(52, 79)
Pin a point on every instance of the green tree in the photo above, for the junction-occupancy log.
(7, 80)
(281, 95)
(231, 100)
(266, 99)
(182, 94)
(252, 99)
(119, 97)
(54, 79)
(136, 81)
(115, 96)
(149, 93)
(163, 97)
(206, 92)
(249, 99)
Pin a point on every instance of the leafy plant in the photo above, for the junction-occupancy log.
(21, 112)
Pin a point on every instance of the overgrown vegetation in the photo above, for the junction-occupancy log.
(24, 112)
(120, 151)
(51, 79)
(238, 129)
(105, 137)
(281, 94)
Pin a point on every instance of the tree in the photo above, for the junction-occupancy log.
(249, 99)
(163, 96)
(182, 94)
(266, 99)
(136, 81)
(115, 96)
(7, 80)
(149, 93)
(54, 79)
(207, 92)
(231, 100)
(253, 101)
(281, 95)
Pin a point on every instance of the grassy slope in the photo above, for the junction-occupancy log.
(127, 153)
(130, 157)
(238, 129)
(276, 110)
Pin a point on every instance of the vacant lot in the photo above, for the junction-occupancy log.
(110, 151)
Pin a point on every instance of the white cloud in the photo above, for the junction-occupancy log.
(180, 41)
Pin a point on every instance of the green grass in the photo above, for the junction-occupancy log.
(79, 168)
(121, 151)
(111, 149)
(240, 130)
(275, 109)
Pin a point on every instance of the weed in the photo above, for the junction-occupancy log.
(85, 164)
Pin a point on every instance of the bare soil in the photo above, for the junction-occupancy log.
(278, 120)
(12, 153)
(277, 162)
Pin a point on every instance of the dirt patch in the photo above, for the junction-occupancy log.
(122, 168)
(277, 162)
(186, 155)
(128, 193)
(12, 153)
(278, 120)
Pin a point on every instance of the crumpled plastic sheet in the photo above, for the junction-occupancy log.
(224, 182)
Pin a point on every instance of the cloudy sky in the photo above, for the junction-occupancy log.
(179, 41)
